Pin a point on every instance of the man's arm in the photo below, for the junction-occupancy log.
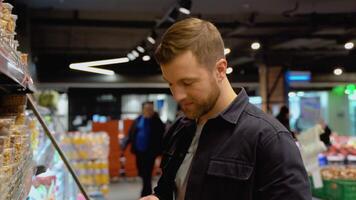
(280, 171)
(127, 140)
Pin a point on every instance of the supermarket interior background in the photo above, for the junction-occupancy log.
(89, 66)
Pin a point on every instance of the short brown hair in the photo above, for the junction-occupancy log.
(200, 37)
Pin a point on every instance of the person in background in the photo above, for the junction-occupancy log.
(223, 147)
(283, 116)
(145, 135)
(325, 136)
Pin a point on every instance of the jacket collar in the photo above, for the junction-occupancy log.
(232, 113)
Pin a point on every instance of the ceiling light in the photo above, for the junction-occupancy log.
(131, 56)
(338, 71)
(349, 45)
(101, 62)
(92, 69)
(141, 49)
(135, 53)
(229, 70)
(292, 94)
(184, 11)
(300, 94)
(227, 51)
(255, 46)
(150, 39)
(146, 58)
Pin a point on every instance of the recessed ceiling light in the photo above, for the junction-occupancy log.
(150, 39)
(255, 46)
(135, 53)
(146, 58)
(131, 56)
(227, 51)
(184, 11)
(338, 71)
(349, 45)
(140, 49)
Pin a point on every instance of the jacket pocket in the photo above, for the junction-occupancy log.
(232, 169)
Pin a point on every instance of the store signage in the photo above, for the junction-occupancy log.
(298, 76)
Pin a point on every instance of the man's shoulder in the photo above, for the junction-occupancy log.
(255, 120)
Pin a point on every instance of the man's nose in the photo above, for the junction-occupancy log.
(178, 93)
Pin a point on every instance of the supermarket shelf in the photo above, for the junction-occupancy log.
(11, 68)
(15, 190)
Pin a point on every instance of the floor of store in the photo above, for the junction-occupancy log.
(128, 189)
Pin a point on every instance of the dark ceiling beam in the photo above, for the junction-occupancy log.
(288, 36)
(81, 50)
(302, 21)
(93, 23)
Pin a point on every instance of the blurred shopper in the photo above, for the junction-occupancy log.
(224, 147)
(325, 135)
(283, 116)
(145, 135)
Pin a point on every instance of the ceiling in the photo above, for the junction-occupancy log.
(297, 34)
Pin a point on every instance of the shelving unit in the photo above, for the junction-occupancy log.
(14, 76)
(17, 174)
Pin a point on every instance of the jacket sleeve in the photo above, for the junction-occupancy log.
(165, 187)
(129, 138)
(280, 171)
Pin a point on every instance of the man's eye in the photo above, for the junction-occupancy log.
(187, 83)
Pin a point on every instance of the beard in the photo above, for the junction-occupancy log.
(201, 106)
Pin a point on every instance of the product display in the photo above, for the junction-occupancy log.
(338, 170)
(16, 166)
(88, 153)
(30, 167)
(13, 62)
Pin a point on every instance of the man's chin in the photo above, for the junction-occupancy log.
(190, 115)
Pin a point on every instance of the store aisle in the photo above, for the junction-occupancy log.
(126, 189)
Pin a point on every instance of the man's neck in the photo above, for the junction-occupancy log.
(226, 97)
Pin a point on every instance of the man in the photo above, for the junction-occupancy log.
(145, 135)
(224, 148)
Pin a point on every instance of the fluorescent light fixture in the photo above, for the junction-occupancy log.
(255, 46)
(338, 71)
(300, 94)
(227, 51)
(131, 56)
(349, 45)
(101, 62)
(92, 69)
(146, 58)
(140, 49)
(135, 53)
(184, 11)
(292, 94)
(229, 70)
(150, 39)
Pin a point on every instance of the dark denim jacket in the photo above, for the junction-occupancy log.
(243, 154)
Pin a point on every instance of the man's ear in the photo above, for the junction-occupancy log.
(221, 66)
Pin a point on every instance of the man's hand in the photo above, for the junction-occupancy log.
(150, 197)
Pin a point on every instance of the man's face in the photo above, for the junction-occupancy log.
(148, 110)
(192, 84)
